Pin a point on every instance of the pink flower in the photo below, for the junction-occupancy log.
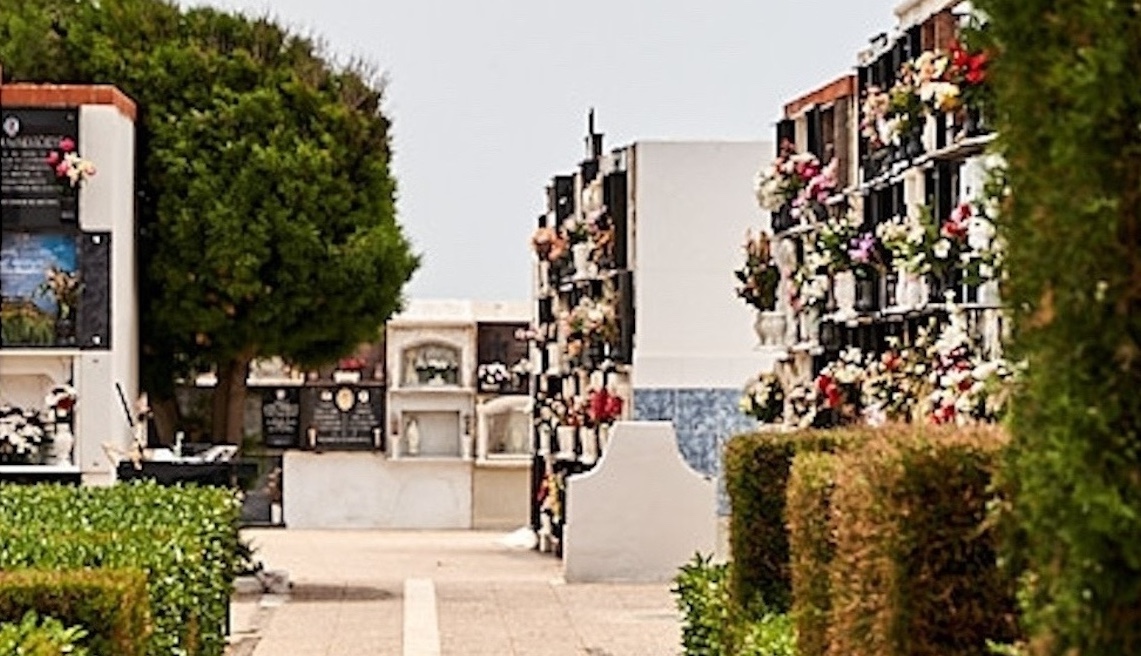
(67, 144)
(61, 169)
(53, 158)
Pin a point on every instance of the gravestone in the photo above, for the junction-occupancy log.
(641, 513)
(281, 417)
(344, 416)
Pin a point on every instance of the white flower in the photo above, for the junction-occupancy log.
(942, 249)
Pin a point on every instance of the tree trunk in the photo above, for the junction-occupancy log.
(220, 404)
(229, 407)
(236, 411)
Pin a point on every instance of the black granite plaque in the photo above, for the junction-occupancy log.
(344, 416)
(281, 417)
(95, 296)
(31, 195)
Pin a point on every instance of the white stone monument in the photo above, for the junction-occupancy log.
(641, 513)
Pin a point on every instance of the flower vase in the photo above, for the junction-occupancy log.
(844, 290)
(544, 440)
(63, 440)
(412, 434)
(65, 331)
(809, 318)
(589, 446)
(554, 358)
(580, 252)
(988, 294)
(903, 282)
(603, 438)
(770, 327)
(913, 144)
(566, 438)
(867, 293)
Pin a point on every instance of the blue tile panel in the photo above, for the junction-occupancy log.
(703, 418)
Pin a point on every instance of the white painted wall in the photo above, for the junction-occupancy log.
(107, 203)
(692, 205)
(342, 490)
(641, 513)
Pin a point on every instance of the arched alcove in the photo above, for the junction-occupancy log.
(430, 364)
(505, 428)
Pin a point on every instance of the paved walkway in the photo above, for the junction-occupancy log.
(441, 593)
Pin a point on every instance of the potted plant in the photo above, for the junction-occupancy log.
(758, 281)
(60, 406)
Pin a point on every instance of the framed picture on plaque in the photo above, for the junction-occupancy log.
(40, 288)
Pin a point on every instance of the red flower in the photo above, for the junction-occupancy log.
(831, 391)
(66, 403)
(976, 69)
(67, 144)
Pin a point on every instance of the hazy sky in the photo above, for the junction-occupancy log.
(489, 98)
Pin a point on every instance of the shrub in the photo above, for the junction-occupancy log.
(110, 605)
(29, 636)
(1065, 76)
(811, 547)
(703, 599)
(914, 569)
(713, 624)
(757, 468)
(186, 539)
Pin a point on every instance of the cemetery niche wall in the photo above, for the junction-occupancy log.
(68, 324)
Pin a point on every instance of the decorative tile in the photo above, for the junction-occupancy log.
(699, 450)
(655, 404)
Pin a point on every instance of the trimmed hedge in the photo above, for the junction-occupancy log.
(914, 569)
(32, 636)
(186, 539)
(811, 546)
(757, 468)
(110, 605)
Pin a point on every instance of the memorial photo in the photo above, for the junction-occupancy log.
(40, 288)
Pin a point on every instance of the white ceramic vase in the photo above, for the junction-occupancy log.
(62, 442)
(544, 439)
(580, 252)
(566, 436)
(809, 318)
(589, 446)
(770, 328)
(844, 290)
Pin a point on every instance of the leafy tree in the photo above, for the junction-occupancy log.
(267, 205)
(1067, 78)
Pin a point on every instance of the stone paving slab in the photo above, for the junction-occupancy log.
(348, 599)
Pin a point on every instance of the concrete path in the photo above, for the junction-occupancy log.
(440, 593)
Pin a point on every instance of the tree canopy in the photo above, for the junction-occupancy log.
(267, 220)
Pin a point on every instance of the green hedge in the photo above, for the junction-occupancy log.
(713, 624)
(186, 539)
(757, 468)
(811, 547)
(110, 605)
(1066, 79)
(914, 569)
(32, 636)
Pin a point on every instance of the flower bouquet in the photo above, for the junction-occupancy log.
(604, 408)
(69, 167)
(493, 376)
(759, 277)
(782, 181)
(22, 435)
(763, 399)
